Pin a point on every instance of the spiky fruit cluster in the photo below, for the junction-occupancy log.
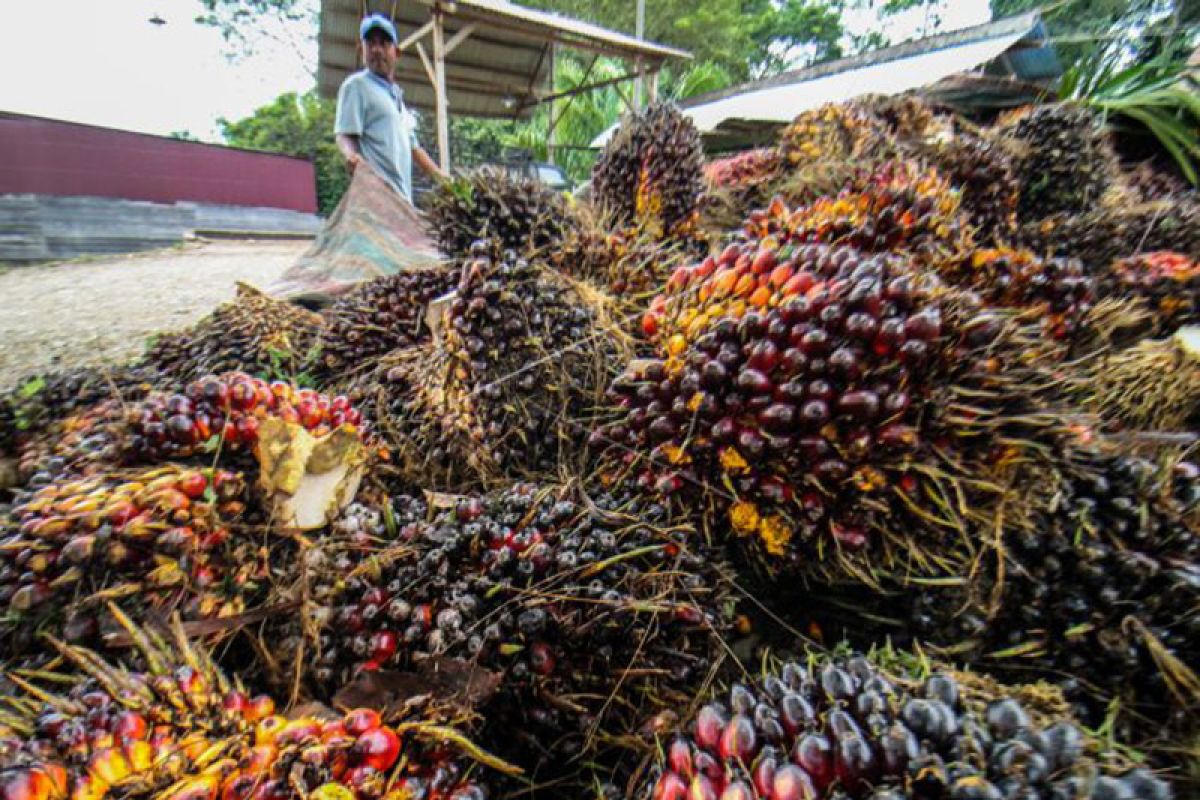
(1153, 385)
(37, 402)
(226, 411)
(985, 174)
(1169, 282)
(520, 214)
(165, 531)
(183, 731)
(254, 333)
(742, 170)
(836, 131)
(1151, 183)
(558, 597)
(1060, 288)
(846, 730)
(628, 263)
(1102, 236)
(1095, 592)
(1065, 163)
(378, 317)
(524, 351)
(649, 176)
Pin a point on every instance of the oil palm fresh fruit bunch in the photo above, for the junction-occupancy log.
(379, 316)
(986, 175)
(1060, 288)
(522, 353)
(168, 534)
(512, 213)
(834, 132)
(628, 263)
(595, 617)
(182, 730)
(845, 729)
(1065, 162)
(226, 411)
(1152, 385)
(37, 402)
(1167, 281)
(254, 333)
(1100, 592)
(1103, 236)
(909, 117)
(815, 416)
(742, 170)
(734, 185)
(649, 175)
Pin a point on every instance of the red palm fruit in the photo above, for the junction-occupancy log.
(297, 731)
(109, 765)
(384, 645)
(129, 726)
(764, 261)
(792, 783)
(679, 758)
(235, 702)
(378, 748)
(738, 790)
(739, 740)
(710, 723)
(361, 720)
(259, 708)
(701, 788)
(266, 731)
(271, 790)
(243, 396)
(763, 774)
(855, 763)
(259, 759)
(239, 787)
(541, 658)
(813, 752)
(89, 787)
(780, 276)
(25, 783)
(247, 430)
(925, 325)
(193, 484)
(669, 787)
(140, 754)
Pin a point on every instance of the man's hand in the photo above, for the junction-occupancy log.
(352, 161)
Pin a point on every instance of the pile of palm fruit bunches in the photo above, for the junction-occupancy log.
(863, 465)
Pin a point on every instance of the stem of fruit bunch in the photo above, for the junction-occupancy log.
(1180, 678)
(425, 730)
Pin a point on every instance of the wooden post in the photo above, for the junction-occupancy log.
(640, 33)
(652, 87)
(550, 137)
(439, 90)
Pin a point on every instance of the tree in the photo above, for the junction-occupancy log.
(296, 125)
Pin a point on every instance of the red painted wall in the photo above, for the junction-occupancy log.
(45, 156)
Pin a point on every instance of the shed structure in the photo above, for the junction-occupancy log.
(998, 64)
(478, 58)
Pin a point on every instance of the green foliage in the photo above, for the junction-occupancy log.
(1160, 95)
(745, 38)
(296, 125)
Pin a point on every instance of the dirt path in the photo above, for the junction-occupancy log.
(79, 312)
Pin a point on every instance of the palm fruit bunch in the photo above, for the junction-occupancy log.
(523, 352)
(742, 170)
(36, 403)
(650, 174)
(513, 213)
(1059, 287)
(166, 533)
(226, 411)
(181, 730)
(843, 729)
(575, 601)
(1065, 162)
(1103, 236)
(909, 117)
(735, 185)
(1152, 385)
(253, 333)
(1167, 281)
(985, 174)
(1100, 591)
(379, 316)
(834, 132)
(814, 391)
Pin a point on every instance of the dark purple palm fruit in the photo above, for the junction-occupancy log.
(845, 730)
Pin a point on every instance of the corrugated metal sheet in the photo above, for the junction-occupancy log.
(51, 157)
(891, 70)
(507, 57)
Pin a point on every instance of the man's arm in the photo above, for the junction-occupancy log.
(427, 164)
(348, 144)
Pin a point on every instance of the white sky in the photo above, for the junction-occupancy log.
(102, 62)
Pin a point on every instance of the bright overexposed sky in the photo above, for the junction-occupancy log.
(102, 62)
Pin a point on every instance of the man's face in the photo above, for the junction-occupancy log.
(380, 53)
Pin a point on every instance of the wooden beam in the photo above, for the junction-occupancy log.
(552, 120)
(416, 35)
(439, 88)
(457, 39)
(429, 71)
(580, 89)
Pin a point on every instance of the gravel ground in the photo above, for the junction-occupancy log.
(103, 309)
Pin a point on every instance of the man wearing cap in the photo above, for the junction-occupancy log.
(373, 124)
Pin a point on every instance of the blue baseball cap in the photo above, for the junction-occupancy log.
(377, 21)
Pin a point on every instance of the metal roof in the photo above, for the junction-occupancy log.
(889, 70)
(500, 69)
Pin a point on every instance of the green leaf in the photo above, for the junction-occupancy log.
(32, 387)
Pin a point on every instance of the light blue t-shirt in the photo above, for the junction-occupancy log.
(373, 109)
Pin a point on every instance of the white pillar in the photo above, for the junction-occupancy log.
(439, 90)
